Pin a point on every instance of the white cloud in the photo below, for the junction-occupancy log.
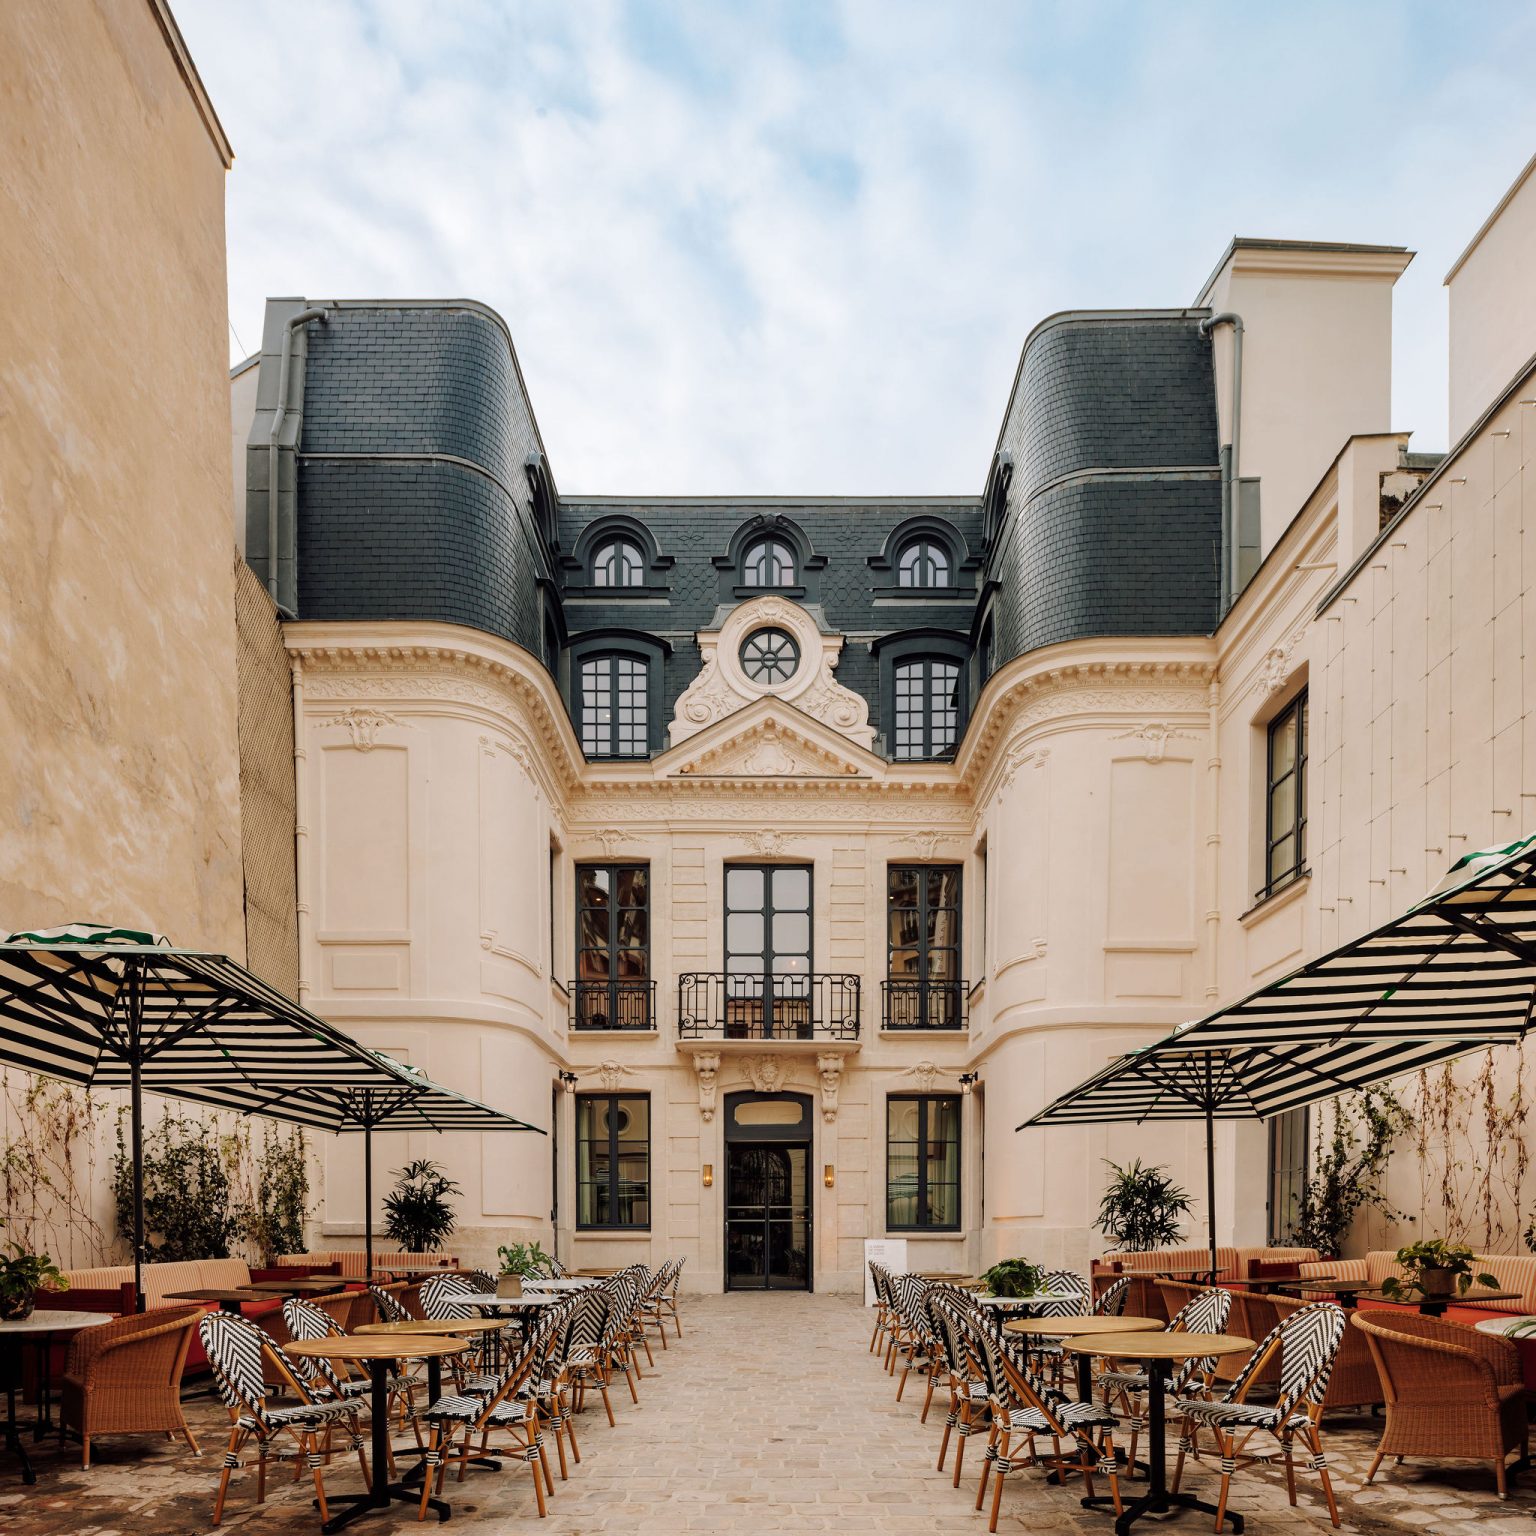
(753, 249)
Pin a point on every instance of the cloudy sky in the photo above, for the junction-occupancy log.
(795, 247)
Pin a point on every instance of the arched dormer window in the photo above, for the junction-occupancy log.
(923, 562)
(769, 562)
(616, 679)
(618, 562)
(923, 693)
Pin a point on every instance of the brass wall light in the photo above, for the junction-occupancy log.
(708, 1176)
(829, 1175)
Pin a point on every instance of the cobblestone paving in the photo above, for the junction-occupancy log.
(768, 1416)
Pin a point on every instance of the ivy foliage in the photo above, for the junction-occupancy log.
(1348, 1165)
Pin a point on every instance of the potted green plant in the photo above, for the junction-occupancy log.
(1014, 1277)
(22, 1276)
(1142, 1207)
(1435, 1267)
(519, 1262)
(417, 1214)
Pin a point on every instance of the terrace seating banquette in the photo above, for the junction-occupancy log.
(1514, 1272)
(1233, 1267)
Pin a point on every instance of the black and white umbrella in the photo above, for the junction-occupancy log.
(413, 1102)
(116, 1008)
(1454, 974)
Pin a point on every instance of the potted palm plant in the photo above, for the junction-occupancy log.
(417, 1214)
(22, 1276)
(1435, 1268)
(519, 1262)
(1142, 1207)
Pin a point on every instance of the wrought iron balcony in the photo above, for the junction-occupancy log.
(924, 1004)
(741, 1005)
(613, 1005)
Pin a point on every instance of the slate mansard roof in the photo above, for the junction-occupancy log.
(414, 487)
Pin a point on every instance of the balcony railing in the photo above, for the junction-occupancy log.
(752, 1006)
(613, 1005)
(924, 1004)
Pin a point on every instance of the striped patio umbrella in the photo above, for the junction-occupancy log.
(411, 1102)
(1451, 976)
(117, 1008)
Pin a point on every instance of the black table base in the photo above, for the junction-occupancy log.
(1158, 1500)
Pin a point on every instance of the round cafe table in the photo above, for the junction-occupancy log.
(39, 1329)
(379, 1353)
(1157, 1352)
(1078, 1328)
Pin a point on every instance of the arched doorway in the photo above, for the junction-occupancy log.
(768, 1192)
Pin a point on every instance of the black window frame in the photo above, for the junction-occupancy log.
(935, 994)
(624, 554)
(786, 563)
(612, 1100)
(929, 752)
(923, 1101)
(1296, 827)
(1286, 1177)
(614, 659)
(615, 983)
(934, 568)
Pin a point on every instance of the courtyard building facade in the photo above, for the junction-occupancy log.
(784, 854)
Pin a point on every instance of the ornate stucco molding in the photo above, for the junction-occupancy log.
(829, 1068)
(1280, 662)
(722, 687)
(707, 1065)
(1154, 737)
(362, 723)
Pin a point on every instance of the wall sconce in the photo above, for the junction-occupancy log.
(968, 1080)
(829, 1175)
(707, 1177)
(568, 1078)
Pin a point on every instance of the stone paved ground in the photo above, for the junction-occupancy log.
(769, 1416)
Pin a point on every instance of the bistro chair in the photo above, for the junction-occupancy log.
(880, 1281)
(968, 1394)
(652, 1303)
(390, 1309)
(1071, 1296)
(1207, 1312)
(239, 1353)
(1305, 1345)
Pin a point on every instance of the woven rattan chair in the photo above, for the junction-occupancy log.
(124, 1378)
(1449, 1391)
(951, 1310)
(240, 1354)
(1305, 1346)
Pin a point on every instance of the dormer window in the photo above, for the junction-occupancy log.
(618, 563)
(769, 563)
(923, 562)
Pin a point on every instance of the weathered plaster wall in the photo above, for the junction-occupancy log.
(118, 756)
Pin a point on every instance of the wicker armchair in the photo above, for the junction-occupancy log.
(124, 1378)
(1450, 1391)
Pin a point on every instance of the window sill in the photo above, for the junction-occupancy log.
(1282, 895)
(582, 1232)
(911, 1232)
(931, 1032)
(745, 592)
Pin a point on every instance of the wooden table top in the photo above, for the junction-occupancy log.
(1078, 1327)
(307, 1283)
(1416, 1299)
(209, 1293)
(373, 1347)
(420, 1325)
(1161, 1346)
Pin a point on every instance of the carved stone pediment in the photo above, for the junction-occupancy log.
(769, 742)
(723, 687)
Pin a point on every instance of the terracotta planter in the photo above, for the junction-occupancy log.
(509, 1285)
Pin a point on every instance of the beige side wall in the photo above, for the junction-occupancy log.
(1493, 305)
(118, 765)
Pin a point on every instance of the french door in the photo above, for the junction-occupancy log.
(768, 951)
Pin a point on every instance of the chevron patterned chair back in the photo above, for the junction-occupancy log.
(1207, 1313)
(1072, 1290)
(439, 1293)
(308, 1324)
(390, 1310)
(1111, 1302)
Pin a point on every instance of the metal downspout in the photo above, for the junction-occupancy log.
(285, 367)
(1232, 468)
(300, 824)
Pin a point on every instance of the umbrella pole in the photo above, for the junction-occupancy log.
(1210, 1182)
(368, 1203)
(136, 1119)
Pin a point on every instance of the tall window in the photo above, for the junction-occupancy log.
(613, 937)
(922, 1163)
(923, 563)
(769, 563)
(1285, 830)
(927, 707)
(923, 922)
(1287, 1173)
(613, 1161)
(614, 704)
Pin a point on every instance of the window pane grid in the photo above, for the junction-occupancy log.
(618, 563)
(922, 1162)
(615, 712)
(923, 563)
(927, 708)
(1285, 813)
(613, 1161)
(769, 563)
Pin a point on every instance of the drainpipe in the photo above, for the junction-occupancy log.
(1230, 470)
(303, 916)
(285, 366)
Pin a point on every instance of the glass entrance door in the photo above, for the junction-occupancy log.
(767, 1217)
(768, 951)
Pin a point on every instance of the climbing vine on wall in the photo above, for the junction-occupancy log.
(48, 1167)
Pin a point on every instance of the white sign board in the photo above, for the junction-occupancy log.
(889, 1251)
